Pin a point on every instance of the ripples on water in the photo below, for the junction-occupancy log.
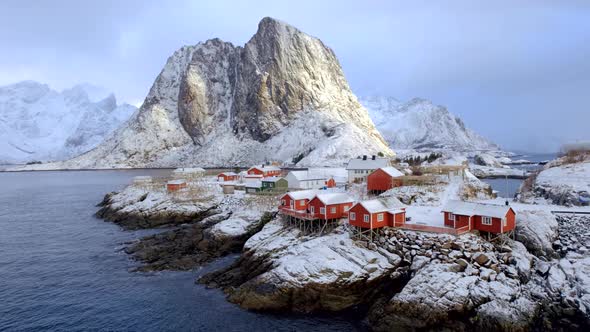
(60, 268)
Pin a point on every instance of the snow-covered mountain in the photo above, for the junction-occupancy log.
(40, 124)
(419, 124)
(282, 96)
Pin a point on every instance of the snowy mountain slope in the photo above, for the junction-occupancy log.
(38, 123)
(419, 124)
(281, 96)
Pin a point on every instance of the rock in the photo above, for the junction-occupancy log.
(486, 273)
(542, 267)
(462, 262)
(511, 272)
(419, 262)
(537, 230)
(481, 258)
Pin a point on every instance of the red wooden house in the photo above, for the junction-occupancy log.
(296, 201)
(383, 179)
(265, 170)
(330, 206)
(227, 176)
(479, 216)
(330, 183)
(175, 185)
(377, 213)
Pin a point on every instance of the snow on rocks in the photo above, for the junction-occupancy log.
(537, 230)
(281, 269)
(485, 159)
(567, 184)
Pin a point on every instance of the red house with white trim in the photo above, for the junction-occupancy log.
(377, 213)
(483, 217)
(330, 206)
(297, 200)
(265, 170)
(227, 176)
(383, 179)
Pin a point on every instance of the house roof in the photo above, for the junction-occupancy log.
(390, 204)
(334, 198)
(392, 171)
(272, 179)
(476, 209)
(266, 168)
(259, 176)
(307, 176)
(180, 181)
(359, 163)
(189, 170)
(253, 184)
(228, 173)
(302, 194)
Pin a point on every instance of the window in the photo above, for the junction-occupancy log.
(352, 216)
(312, 209)
(366, 218)
(451, 217)
(333, 210)
(322, 210)
(380, 217)
(346, 207)
(301, 203)
(486, 220)
(292, 204)
(505, 222)
(283, 202)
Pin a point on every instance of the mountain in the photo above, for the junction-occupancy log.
(40, 124)
(282, 97)
(419, 124)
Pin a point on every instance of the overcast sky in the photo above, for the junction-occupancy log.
(517, 72)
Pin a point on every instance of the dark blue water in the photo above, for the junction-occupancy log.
(60, 268)
(507, 188)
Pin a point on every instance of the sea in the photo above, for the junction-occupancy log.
(508, 188)
(62, 269)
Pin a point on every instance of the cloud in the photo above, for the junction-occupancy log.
(515, 71)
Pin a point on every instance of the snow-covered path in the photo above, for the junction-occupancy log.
(432, 215)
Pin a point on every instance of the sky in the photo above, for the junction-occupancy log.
(517, 72)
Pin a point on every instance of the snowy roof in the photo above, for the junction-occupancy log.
(307, 176)
(228, 174)
(271, 179)
(253, 184)
(180, 181)
(189, 170)
(302, 194)
(392, 171)
(473, 209)
(369, 163)
(260, 176)
(335, 198)
(382, 205)
(266, 168)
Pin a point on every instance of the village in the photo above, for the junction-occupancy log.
(317, 200)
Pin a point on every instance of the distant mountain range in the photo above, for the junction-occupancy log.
(419, 124)
(41, 124)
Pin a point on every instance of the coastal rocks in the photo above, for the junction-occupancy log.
(282, 269)
(561, 183)
(484, 159)
(192, 245)
(537, 230)
(139, 208)
(574, 234)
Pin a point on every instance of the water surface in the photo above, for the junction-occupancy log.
(61, 268)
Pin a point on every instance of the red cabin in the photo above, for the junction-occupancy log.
(297, 200)
(227, 176)
(330, 206)
(383, 179)
(175, 185)
(376, 213)
(330, 183)
(265, 170)
(479, 216)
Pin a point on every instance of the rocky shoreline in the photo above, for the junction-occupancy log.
(404, 279)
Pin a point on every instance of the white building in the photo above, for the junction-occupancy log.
(306, 180)
(359, 168)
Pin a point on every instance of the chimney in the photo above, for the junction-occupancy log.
(364, 157)
(507, 203)
(373, 157)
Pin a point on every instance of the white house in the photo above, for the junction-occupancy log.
(359, 168)
(305, 180)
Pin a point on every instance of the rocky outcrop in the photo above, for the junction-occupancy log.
(280, 96)
(282, 269)
(485, 159)
(537, 230)
(137, 208)
(193, 245)
(565, 184)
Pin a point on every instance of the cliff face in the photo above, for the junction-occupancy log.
(281, 96)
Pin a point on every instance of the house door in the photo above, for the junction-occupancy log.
(292, 205)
